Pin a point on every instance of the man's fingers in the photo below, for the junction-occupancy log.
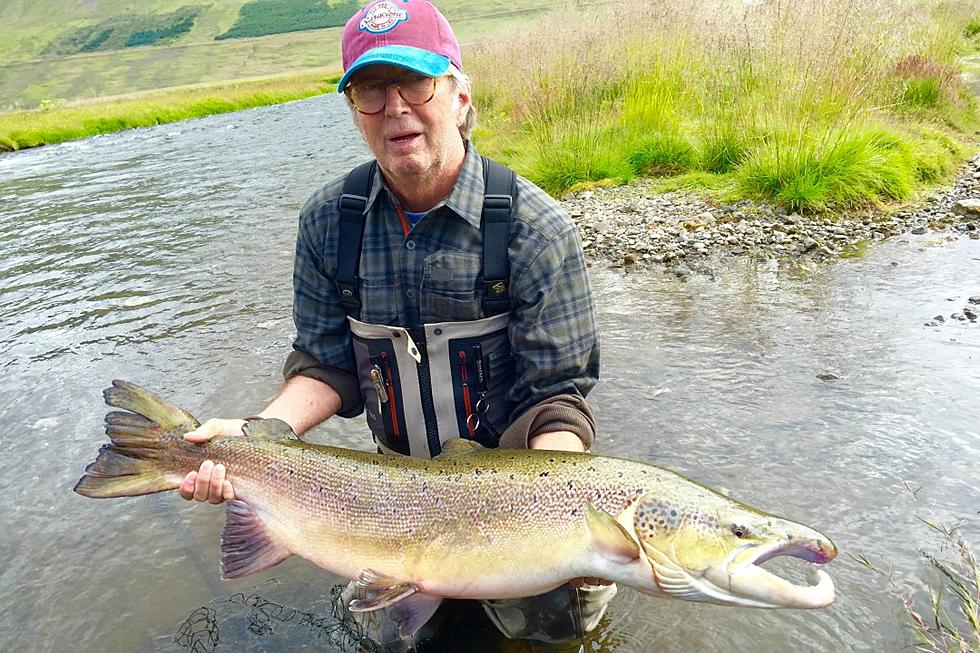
(186, 489)
(203, 484)
(227, 492)
(213, 428)
(216, 487)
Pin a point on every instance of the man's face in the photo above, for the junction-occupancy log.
(412, 140)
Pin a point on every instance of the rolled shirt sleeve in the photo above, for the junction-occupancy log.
(322, 348)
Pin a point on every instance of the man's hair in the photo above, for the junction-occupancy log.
(461, 83)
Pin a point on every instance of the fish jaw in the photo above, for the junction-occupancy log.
(740, 581)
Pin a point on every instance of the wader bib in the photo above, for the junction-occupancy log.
(406, 374)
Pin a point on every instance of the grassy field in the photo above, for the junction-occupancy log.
(27, 80)
(814, 105)
(55, 124)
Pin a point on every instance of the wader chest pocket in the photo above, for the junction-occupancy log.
(381, 389)
(482, 408)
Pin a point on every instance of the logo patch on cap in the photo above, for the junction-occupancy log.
(382, 17)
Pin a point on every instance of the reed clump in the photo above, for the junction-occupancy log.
(814, 104)
(57, 122)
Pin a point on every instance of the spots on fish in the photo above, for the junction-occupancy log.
(656, 518)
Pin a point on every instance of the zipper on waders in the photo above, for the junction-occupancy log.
(389, 387)
(464, 376)
(425, 394)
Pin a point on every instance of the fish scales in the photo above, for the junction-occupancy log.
(471, 523)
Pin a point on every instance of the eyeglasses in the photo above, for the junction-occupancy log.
(370, 95)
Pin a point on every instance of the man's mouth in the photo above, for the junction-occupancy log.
(404, 139)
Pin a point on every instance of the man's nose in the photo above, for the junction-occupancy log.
(395, 104)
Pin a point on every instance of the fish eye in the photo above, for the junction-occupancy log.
(739, 531)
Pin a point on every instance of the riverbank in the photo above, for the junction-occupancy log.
(682, 233)
(69, 121)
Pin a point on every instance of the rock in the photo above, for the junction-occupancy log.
(939, 318)
(931, 323)
(970, 314)
(919, 230)
(974, 300)
(827, 376)
(969, 209)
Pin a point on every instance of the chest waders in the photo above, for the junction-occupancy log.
(426, 384)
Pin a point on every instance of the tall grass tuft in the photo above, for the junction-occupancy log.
(814, 104)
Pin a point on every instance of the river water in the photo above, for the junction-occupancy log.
(163, 256)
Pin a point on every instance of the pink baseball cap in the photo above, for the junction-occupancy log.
(410, 34)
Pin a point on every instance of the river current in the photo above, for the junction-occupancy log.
(163, 256)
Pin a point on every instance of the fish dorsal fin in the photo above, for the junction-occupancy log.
(458, 447)
(271, 428)
(247, 546)
(141, 401)
(403, 607)
(609, 537)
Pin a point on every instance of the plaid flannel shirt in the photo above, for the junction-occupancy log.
(432, 274)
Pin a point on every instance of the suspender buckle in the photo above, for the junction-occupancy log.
(348, 294)
(502, 203)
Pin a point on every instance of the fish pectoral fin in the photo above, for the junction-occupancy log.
(377, 591)
(457, 447)
(609, 536)
(403, 603)
(247, 546)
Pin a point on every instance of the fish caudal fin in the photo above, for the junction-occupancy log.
(132, 464)
(247, 546)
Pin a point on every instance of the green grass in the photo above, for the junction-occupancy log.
(194, 58)
(263, 17)
(66, 122)
(813, 105)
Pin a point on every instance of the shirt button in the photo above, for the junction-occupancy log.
(410, 244)
(410, 293)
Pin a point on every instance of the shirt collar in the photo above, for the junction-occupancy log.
(466, 200)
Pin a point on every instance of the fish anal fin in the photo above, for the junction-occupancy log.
(609, 537)
(377, 591)
(247, 546)
(457, 447)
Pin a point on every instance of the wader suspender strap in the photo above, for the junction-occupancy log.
(500, 185)
(352, 205)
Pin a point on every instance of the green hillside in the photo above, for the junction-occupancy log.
(57, 50)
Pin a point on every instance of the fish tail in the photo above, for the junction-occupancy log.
(140, 458)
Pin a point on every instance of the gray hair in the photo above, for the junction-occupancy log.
(461, 83)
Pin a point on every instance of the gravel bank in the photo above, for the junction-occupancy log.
(630, 226)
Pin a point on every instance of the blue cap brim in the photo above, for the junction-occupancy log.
(423, 62)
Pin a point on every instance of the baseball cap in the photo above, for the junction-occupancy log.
(410, 34)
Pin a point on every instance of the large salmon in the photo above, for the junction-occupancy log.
(472, 523)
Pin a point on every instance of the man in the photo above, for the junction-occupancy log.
(434, 290)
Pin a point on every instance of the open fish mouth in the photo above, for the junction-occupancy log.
(751, 584)
(741, 581)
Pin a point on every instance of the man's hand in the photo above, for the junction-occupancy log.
(208, 483)
(556, 441)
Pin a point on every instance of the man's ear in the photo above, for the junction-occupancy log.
(461, 106)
